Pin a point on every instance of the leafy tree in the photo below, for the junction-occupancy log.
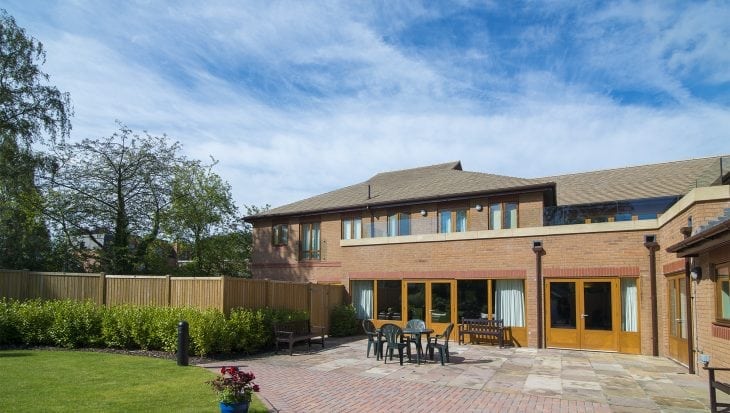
(119, 186)
(29, 107)
(203, 215)
(24, 239)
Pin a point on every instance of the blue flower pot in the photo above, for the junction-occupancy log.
(234, 407)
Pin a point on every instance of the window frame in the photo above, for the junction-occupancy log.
(277, 239)
(453, 219)
(352, 235)
(400, 218)
(312, 253)
(503, 212)
(722, 275)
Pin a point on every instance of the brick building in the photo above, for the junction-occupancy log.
(573, 261)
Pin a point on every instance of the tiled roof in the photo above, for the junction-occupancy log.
(448, 180)
(636, 182)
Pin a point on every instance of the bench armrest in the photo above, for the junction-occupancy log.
(318, 329)
(717, 368)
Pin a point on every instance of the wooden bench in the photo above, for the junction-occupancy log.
(480, 328)
(291, 332)
(718, 385)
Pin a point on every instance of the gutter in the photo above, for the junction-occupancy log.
(406, 202)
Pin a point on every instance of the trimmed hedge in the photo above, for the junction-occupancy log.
(343, 321)
(72, 324)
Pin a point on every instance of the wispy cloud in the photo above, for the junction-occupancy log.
(295, 99)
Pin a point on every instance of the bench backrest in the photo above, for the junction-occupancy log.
(482, 323)
(298, 327)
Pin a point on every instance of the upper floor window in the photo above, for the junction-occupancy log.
(452, 220)
(503, 215)
(723, 293)
(310, 241)
(399, 223)
(280, 234)
(352, 228)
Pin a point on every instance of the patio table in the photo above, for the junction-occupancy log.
(417, 332)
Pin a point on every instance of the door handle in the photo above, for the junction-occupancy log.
(584, 315)
(679, 320)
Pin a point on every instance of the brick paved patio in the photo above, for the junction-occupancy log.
(479, 378)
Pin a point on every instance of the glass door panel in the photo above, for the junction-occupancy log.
(597, 306)
(562, 305)
(678, 344)
(562, 328)
(416, 300)
(440, 305)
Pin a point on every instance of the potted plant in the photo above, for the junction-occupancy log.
(234, 388)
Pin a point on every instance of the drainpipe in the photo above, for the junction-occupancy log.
(653, 246)
(539, 252)
(687, 231)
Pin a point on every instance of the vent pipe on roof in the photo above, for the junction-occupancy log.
(368, 191)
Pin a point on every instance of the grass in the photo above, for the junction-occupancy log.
(73, 381)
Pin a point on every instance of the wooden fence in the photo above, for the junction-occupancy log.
(222, 293)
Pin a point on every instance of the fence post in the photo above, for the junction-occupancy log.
(168, 287)
(223, 305)
(102, 289)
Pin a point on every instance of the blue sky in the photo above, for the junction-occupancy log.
(299, 98)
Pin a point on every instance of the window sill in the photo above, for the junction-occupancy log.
(721, 329)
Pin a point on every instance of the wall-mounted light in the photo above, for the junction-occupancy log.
(704, 359)
(479, 207)
(423, 212)
(696, 273)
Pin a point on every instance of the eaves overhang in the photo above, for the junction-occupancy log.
(407, 202)
(704, 241)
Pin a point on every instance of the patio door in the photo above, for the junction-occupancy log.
(431, 301)
(677, 301)
(582, 314)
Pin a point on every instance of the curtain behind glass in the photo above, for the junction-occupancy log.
(358, 228)
(509, 302)
(629, 305)
(346, 229)
(445, 221)
(510, 215)
(362, 299)
(495, 216)
(461, 221)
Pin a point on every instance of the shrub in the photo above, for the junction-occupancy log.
(9, 332)
(75, 324)
(34, 322)
(343, 321)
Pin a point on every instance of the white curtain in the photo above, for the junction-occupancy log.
(509, 302)
(346, 229)
(461, 221)
(495, 216)
(629, 305)
(392, 225)
(445, 218)
(362, 299)
(358, 228)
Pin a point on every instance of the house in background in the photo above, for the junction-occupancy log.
(575, 261)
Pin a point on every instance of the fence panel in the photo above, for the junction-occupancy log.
(136, 290)
(242, 292)
(286, 295)
(223, 293)
(198, 292)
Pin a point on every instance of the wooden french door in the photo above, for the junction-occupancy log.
(677, 302)
(583, 314)
(432, 301)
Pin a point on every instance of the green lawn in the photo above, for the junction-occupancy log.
(74, 381)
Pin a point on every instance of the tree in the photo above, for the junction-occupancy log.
(203, 215)
(28, 108)
(24, 239)
(118, 186)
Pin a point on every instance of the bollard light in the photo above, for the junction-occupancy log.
(183, 339)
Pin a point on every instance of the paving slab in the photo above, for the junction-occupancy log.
(478, 378)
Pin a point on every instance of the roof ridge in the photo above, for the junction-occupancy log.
(453, 165)
(634, 166)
